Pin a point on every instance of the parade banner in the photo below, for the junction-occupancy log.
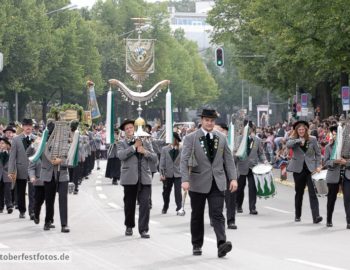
(345, 97)
(87, 118)
(168, 118)
(93, 106)
(110, 118)
(304, 100)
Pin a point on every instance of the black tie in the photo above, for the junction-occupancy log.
(210, 146)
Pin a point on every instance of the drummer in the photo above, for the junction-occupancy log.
(333, 178)
(306, 160)
(255, 154)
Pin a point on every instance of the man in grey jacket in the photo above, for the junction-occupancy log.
(205, 156)
(18, 165)
(169, 167)
(136, 177)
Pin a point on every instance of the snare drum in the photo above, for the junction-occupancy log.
(320, 184)
(264, 181)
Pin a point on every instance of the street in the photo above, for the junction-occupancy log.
(270, 240)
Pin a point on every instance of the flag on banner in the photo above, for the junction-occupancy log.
(168, 118)
(93, 106)
(110, 117)
(231, 137)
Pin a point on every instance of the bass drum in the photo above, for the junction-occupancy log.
(264, 181)
(320, 184)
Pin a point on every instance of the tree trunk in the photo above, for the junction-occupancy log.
(44, 109)
(324, 98)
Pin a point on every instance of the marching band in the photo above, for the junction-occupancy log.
(200, 162)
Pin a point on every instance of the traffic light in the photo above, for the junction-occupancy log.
(219, 57)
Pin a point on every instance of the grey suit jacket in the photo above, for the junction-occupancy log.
(333, 172)
(129, 163)
(48, 170)
(201, 176)
(312, 157)
(4, 173)
(167, 166)
(18, 161)
(34, 170)
(256, 155)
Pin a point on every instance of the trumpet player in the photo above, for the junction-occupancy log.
(136, 178)
(336, 169)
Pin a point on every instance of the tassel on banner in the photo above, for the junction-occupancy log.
(110, 117)
(168, 118)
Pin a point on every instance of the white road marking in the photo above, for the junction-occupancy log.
(115, 206)
(278, 210)
(3, 246)
(98, 181)
(150, 221)
(102, 196)
(208, 239)
(98, 188)
(99, 176)
(318, 265)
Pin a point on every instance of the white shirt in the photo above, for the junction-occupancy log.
(206, 132)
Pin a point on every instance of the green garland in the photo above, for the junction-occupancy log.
(55, 110)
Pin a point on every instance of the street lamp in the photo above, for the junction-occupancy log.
(68, 7)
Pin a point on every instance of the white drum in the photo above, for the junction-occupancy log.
(264, 181)
(320, 184)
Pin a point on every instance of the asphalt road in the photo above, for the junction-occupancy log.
(270, 240)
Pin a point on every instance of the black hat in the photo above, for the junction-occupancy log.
(223, 126)
(5, 140)
(250, 123)
(74, 124)
(10, 128)
(209, 113)
(176, 136)
(300, 122)
(333, 128)
(127, 121)
(27, 122)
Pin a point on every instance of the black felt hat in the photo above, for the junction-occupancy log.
(251, 125)
(301, 122)
(209, 113)
(10, 128)
(223, 126)
(27, 122)
(127, 121)
(5, 140)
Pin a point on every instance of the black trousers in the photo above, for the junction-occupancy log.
(251, 188)
(39, 198)
(230, 200)
(74, 176)
(5, 195)
(346, 193)
(215, 199)
(167, 187)
(50, 195)
(21, 185)
(301, 180)
(131, 193)
(31, 195)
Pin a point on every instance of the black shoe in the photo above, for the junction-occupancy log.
(22, 215)
(224, 249)
(164, 211)
(128, 231)
(253, 212)
(32, 216)
(318, 219)
(75, 192)
(232, 226)
(115, 182)
(297, 219)
(36, 220)
(9, 211)
(329, 224)
(197, 251)
(1, 211)
(65, 229)
(348, 226)
(145, 234)
(98, 168)
(47, 226)
(52, 226)
(86, 177)
(239, 210)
